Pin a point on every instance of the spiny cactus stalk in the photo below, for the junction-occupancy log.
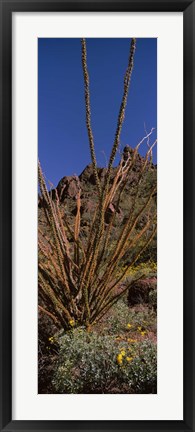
(79, 278)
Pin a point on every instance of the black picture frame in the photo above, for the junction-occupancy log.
(6, 9)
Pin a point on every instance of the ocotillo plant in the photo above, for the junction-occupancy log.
(79, 279)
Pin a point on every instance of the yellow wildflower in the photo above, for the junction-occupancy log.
(139, 328)
(129, 326)
(129, 359)
(131, 340)
(143, 333)
(119, 359)
(123, 353)
(72, 322)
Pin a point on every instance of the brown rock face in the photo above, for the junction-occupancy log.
(109, 212)
(127, 151)
(139, 292)
(69, 186)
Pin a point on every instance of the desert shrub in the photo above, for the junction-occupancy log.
(153, 299)
(122, 320)
(91, 363)
(117, 319)
(149, 269)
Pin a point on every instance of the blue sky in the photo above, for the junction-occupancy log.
(62, 135)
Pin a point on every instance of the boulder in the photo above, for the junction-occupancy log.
(140, 291)
(68, 187)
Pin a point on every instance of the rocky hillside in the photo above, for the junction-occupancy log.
(68, 186)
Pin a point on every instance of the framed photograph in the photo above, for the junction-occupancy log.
(97, 232)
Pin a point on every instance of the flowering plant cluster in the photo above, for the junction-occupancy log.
(93, 363)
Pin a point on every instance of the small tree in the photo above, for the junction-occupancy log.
(78, 279)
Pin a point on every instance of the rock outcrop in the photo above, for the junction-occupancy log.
(68, 187)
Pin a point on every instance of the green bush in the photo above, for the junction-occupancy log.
(153, 299)
(117, 320)
(92, 363)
